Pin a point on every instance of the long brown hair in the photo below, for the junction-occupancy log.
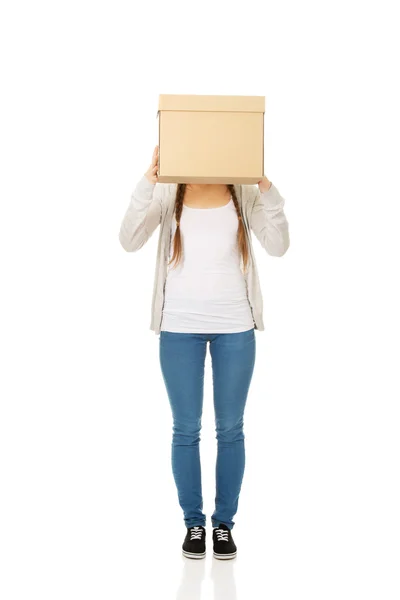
(241, 234)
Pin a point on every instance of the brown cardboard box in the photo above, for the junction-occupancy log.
(211, 139)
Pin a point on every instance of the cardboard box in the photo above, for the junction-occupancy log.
(211, 139)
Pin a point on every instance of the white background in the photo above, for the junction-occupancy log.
(88, 506)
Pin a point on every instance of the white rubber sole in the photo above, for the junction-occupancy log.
(225, 556)
(193, 554)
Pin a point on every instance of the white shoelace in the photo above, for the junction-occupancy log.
(196, 533)
(222, 535)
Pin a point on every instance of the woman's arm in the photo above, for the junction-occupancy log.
(268, 220)
(142, 217)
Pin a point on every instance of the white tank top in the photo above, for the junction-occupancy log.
(206, 292)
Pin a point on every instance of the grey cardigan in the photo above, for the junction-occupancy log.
(153, 204)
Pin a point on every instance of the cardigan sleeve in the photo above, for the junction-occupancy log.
(268, 221)
(142, 216)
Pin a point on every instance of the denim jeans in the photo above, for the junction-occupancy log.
(182, 359)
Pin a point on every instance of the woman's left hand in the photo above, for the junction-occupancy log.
(264, 184)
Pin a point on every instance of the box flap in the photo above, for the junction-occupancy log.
(198, 102)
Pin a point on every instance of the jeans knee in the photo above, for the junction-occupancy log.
(186, 434)
(230, 431)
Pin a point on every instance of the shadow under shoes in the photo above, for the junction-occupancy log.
(194, 545)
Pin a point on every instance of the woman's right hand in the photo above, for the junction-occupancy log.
(152, 171)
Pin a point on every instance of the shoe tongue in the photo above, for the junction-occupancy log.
(223, 526)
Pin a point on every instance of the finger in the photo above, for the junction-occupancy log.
(155, 155)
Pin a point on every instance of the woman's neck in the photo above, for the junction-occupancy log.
(208, 188)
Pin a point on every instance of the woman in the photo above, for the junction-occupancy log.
(206, 289)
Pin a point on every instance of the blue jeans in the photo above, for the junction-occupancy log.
(182, 359)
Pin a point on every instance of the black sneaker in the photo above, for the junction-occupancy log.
(224, 546)
(194, 545)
